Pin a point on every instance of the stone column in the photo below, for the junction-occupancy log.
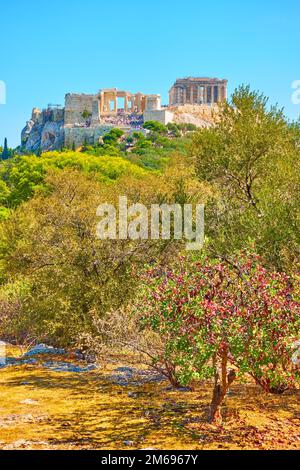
(172, 100)
(101, 103)
(191, 94)
(107, 105)
(205, 94)
(115, 103)
(212, 95)
(184, 96)
(138, 103)
(126, 104)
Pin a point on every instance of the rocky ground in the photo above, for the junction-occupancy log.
(59, 401)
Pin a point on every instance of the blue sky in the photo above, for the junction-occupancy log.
(53, 47)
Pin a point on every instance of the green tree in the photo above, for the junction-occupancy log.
(112, 137)
(50, 243)
(155, 126)
(5, 154)
(251, 160)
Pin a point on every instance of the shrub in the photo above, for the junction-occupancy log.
(155, 126)
(218, 315)
(112, 136)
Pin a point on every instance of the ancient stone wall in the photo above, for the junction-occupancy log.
(58, 114)
(77, 107)
(78, 136)
(152, 103)
(163, 116)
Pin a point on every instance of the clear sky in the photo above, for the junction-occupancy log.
(53, 47)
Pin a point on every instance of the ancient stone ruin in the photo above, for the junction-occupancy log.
(199, 91)
(86, 118)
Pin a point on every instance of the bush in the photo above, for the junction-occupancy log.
(112, 136)
(155, 126)
(214, 315)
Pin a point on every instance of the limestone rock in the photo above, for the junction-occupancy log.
(52, 136)
(44, 349)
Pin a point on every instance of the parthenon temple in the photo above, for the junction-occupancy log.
(201, 91)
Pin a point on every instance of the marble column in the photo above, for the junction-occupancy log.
(101, 103)
(212, 95)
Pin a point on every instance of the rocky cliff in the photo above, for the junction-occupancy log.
(44, 131)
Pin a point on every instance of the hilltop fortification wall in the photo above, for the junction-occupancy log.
(77, 136)
(78, 108)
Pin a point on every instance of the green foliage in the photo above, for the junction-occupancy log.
(173, 129)
(155, 126)
(4, 192)
(86, 114)
(153, 151)
(4, 213)
(5, 153)
(251, 159)
(218, 314)
(24, 176)
(113, 136)
(50, 241)
(14, 325)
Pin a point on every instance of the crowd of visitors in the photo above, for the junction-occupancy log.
(133, 120)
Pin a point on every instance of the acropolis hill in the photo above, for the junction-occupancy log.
(86, 118)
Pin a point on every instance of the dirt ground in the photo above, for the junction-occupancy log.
(117, 407)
